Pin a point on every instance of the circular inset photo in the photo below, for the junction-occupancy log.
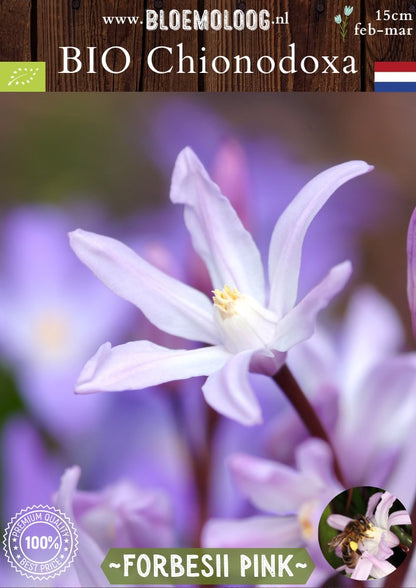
(365, 533)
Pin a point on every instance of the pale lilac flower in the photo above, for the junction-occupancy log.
(118, 516)
(362, 382)
(243, 330)
(411, 269)
(29, 473)
(231, 437)
(229, 171)
(376, 548)
(51, 315)
(11, 579)
(292, 500)
(269, 173)
(354, 375)
(370, 375)
(338, 19)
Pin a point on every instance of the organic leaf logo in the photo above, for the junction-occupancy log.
(23, 76)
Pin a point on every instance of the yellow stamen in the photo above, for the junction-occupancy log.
(307, 529)
(305, 517)
(52, 330)
(225, 300)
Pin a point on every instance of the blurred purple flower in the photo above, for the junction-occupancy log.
(51, 315)
(241, 329)
(229, 172)
(410, 579)
(137, 438)
(292, 498)
(357, 370)
(292, 495)
(370, 379)
(29, 472)
(118, 516)
(411, 269)
(182, 123)
(365, 381)
(272, 174)
(376, 547)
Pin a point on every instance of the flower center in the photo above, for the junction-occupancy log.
(225, 300)
(243, 322)
(372, 540)
(52, 331)
(306, 516)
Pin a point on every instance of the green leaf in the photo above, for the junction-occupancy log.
(23, 76)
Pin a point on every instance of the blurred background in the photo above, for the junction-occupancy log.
(103, 162)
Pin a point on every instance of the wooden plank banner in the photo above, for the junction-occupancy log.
(207, 45)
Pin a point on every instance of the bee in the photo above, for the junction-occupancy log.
(349, 539)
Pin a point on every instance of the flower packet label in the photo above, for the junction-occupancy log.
(208, 566)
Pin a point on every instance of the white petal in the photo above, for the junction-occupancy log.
(337, 521)
(362, 570)
(399, 517)
(271, 486)
(402, 481)
(65, 494)
(411, 269)
(299, 323)
(315, 460)
(388, 423)
(370, 565)
(140, 364)
(289, 232)
(259, 531)
(228, 391)
(372, 331)
(169, 304)
(89, 557)
(381, 569)
(218, 235)
(381, 515)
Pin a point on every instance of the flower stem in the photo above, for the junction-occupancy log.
(397, 578)
(290, 387)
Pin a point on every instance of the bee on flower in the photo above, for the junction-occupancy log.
(343, 22)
